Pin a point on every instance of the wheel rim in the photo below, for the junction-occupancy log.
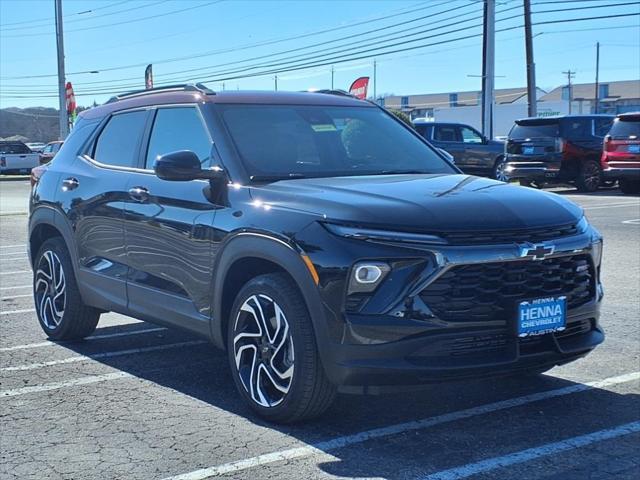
(263, 350)
(50, 289)
(591, 176)
(501, 172)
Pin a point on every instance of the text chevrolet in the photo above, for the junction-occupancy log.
(318, 240)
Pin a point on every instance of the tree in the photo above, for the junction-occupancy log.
(403, 117)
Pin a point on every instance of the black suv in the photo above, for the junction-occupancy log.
(473, 153)
(320, 241)
(558, 149)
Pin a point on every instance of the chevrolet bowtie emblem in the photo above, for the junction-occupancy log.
(536, 251)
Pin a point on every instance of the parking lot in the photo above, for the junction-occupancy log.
(140, 401)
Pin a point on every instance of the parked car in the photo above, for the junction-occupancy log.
(16, 157)
(621, 153)
(558, 149)
(472, 152)
(319, 240)
(36, 147)
(49, 151)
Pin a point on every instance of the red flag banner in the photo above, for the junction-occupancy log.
(71, 99)
(359, 88)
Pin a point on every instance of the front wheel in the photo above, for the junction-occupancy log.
(588, 177)
(499, 170)
(273, 354)
(61, 312)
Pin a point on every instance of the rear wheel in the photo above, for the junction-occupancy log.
(60, 310)
(273, 354)
(499, 170)
(589, 176)
(629, 186)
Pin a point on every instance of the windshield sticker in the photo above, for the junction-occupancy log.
(329, 127)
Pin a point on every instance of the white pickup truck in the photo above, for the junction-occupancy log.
(16, 157)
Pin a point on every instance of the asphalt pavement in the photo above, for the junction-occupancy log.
(137, 401)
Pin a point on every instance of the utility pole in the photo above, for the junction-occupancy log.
(375, 82)
(532, 96)
(276, 81)
(331, 77)
(62, 100)
(597, 95)
(488, 67)
(569, 75)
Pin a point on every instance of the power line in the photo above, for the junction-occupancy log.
(70, 15)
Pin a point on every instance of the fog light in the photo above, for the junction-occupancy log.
(366, 276)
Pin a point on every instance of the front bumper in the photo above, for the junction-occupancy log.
(395, 339)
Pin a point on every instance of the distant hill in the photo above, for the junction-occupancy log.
(37, 124)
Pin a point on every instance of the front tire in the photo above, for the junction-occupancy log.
(629, 187)
(60, 310)
(589, 177)
(273, 354)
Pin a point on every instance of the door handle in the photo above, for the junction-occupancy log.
(139, 194)
(70, 183)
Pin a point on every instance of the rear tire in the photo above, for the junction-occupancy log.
(499, 172)
(273, 353)
(60, 310)
(589, 177)
(629, 187)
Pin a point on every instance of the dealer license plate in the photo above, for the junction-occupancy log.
(634, 148)
(528, 150)
(542, 315)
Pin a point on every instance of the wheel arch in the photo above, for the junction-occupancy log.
(247, 255)
(45, 223)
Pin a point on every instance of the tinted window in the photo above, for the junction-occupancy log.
(602, 126)
(446, 133)
(14, 148)
(577, 127)
(48, 149)
(535, 131)
(178, 129)
(422, 130)
(118, 143)
(625, 129)
(470, 136)
(284, 140)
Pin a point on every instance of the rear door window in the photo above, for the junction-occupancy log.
(119, 142)
(179, 128)
(447, 133)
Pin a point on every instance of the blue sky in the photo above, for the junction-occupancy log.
(118, 38)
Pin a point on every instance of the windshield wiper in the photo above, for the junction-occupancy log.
(275, 178)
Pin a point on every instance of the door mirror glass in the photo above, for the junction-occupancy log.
(184, 165)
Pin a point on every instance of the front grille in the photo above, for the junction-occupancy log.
(492, 291)
(535, 235)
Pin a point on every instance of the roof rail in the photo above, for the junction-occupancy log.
(181, 87)
(333, 91)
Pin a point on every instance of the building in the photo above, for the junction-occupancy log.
(614, 97)
(425, 105)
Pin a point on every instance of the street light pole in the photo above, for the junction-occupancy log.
(62, 100)
(597, 92)
(531, 66)
(488, 67)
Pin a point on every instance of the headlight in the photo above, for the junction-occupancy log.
(366, 276)
(596, 248)
(382, 235)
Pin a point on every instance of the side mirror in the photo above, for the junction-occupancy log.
(183, 165)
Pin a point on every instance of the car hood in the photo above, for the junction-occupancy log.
(420, 203)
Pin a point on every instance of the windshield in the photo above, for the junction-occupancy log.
(14, 148)
(535, 131)
(289, 141)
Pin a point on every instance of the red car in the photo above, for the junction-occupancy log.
(621, 153)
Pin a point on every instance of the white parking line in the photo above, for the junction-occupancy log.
(4, 247)
(95, 356)
(69, 383)
(613, 205)
(17, 296)
(49, 343)
(632, 222)
(17, 271)
(12, 312)
(17, 286)
(529, 454)
(321, 448)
